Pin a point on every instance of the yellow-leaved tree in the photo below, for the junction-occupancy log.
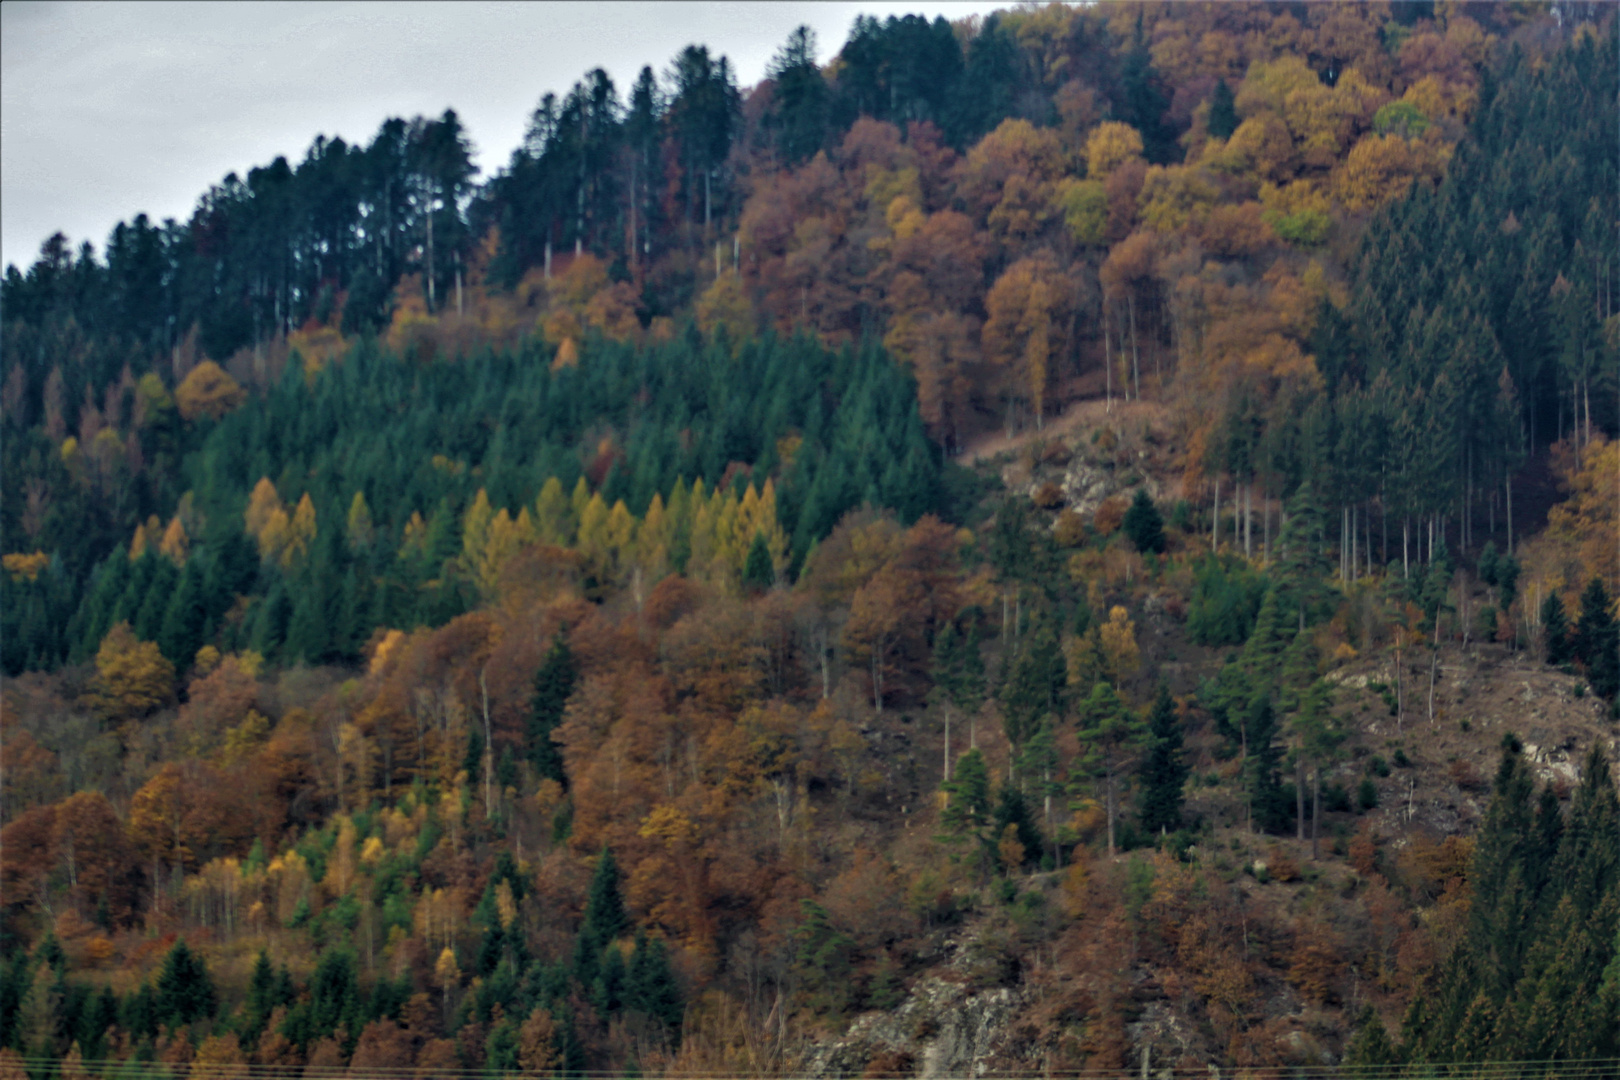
(132, 677)
(208, 391)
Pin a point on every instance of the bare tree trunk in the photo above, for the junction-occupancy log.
(1110, 813)
(1434, 663)
(1354, 565)
(1400, 704)
(1248, 518)
(1108, 360)
(430, 273)
(1265, 526)
(1299, 797)
(1136, 352)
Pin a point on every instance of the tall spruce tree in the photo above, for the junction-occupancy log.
(1164, 770)
(1597, 640)
(553, 686)
(1555, 630)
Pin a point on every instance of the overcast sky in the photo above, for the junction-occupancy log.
(110, 109)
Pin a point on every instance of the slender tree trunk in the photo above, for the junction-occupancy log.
(1110, 812)
(1400, 703)
(1136, 352)
(1265, 526)
(1344, 543)
(1316, 814)
(947, 743)
(1299, 798)
(1434, 662)
(1383, 527)
(1248, 519)
(1215, 519)
(1354, 565)
(1108, 360)
(430, 274)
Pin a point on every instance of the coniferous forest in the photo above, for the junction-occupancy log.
(1074, 541)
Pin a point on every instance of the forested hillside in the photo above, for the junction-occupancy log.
(547, 624)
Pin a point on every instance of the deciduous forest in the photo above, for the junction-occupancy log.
(1011, 545)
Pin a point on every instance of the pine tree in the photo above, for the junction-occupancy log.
(1490, 562)
(967, 809)
(1111, 735)
(1597, 640)
(1555, 630)
(759, 574)
(553, 686)
(185, 621)
(1268, 803)
(1034, 684)
(650, 986)
(1013, 810)
(605, 917)
(1144, 525)
(1302, 565)
(261, 997)
(1164, 770)
(1223, 117)
(184, 990)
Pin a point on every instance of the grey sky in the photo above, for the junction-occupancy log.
(110, 109)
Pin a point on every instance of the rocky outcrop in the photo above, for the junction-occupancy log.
(944, 1028)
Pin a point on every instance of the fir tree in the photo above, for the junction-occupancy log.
(1111, 736)
(758, 572)
(1597, 640)
(967, 808)
(184, 990)
(605, 918)
(650, 986)
(1164, 771)
(1555, 630)
(1490, 563)
(1268, 803)
(1012, 809)
(1144, 524)
(553, 686)
(1223, 117)
(1034, 684)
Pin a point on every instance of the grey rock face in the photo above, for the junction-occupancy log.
(944, 1028)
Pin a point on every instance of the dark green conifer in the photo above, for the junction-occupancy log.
(759, 574)
(553, 686)
(1223, 117)
(1597, 640)
(1555, 630)
(1164, 771)
(184, 990)
(1143, 524)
